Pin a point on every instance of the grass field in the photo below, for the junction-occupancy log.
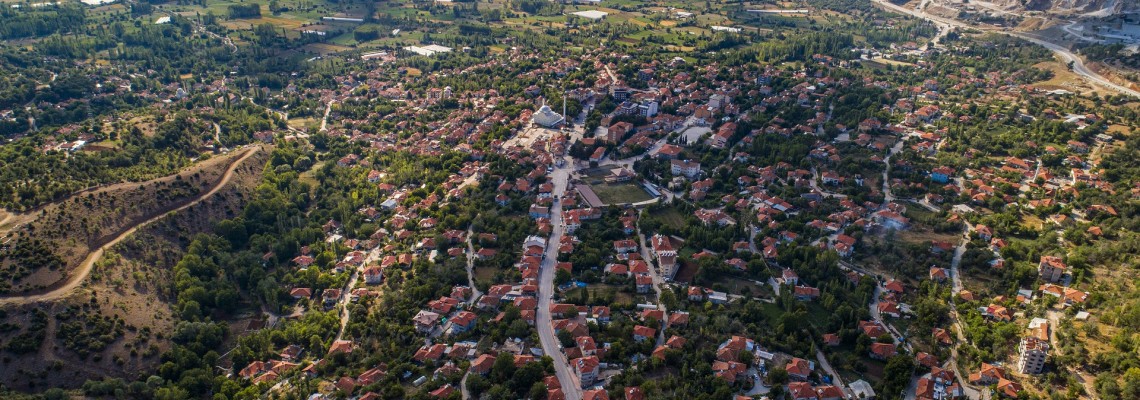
(600, 291)
(621, 193)
(304, 123)
(672, 217)
(744, 287)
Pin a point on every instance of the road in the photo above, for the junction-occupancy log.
(345, 316)
(874, 308)
(815, 186)
(955, 276)
(475, 293)
(1078, 65)
(956, 325)
(463, 393)
(657, 280)
(613, 78)
(325, 119)
(836, 379)
(887, 195)
(550, 345)
(77, 277)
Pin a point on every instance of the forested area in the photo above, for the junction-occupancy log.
(23, 23)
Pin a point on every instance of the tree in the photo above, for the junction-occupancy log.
(477, 384)
(562, 277)
(503, 368)
(896, 376)
(566, 338)
(778, 376)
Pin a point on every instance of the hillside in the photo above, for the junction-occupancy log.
(121, 321)
(1065, 6)
(44, 252)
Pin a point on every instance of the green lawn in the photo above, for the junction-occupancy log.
(600, 293)
(672, 217)
(621, 193)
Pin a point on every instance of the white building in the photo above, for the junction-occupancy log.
(547, 118)
(687, 168)
(647, 109)
(591, 14)
(1033, 354)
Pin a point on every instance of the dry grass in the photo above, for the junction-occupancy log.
(90, 218)
(304, 123)
(325, 48)
(130, 283)
(926, 236)
(1119, 129)
(243, 24)
(1066, 80)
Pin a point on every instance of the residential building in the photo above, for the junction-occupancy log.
(587, 369)
(666, 256)
(687, 168)
(1051, 268)
(1034, 351)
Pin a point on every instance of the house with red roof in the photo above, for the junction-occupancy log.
(443, 391)
(341, 346)
(641, 333)
(463, 321)
(595, 394)
(829, 392)
(482, 364)
(883, 351)
(798, 369)
(801, 391)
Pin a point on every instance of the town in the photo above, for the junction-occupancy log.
(889, 208)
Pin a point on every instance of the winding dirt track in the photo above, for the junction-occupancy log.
(78, 276)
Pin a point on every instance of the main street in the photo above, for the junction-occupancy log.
(550, 345)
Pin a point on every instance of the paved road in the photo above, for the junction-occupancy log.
(956, 325)
(836, 379)
(345, 315)
(887, 195)
(658, 282)
(815, 186)
(475, 293)
(325, 119)
(955, 276)
(1078, 65)
(77, 277)
(464, 394)
(550, 345)
(874, 308)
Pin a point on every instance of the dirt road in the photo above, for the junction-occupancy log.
(78, 276)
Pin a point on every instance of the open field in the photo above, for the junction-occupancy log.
(621, 193)
(672, 217)
(744, 286)
(600, 291)
(1064, 79)
(304, 123)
